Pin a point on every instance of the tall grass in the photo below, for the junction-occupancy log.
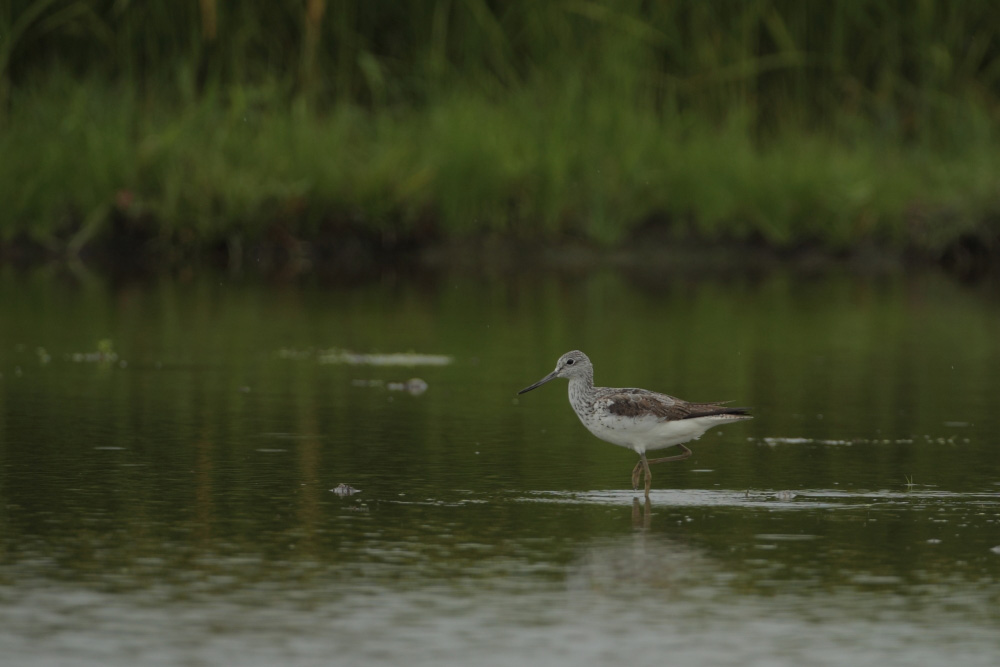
(783, 121)
(780, 58)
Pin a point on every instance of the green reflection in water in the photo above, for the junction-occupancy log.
(200, 461)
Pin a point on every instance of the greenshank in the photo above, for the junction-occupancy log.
(638, 419)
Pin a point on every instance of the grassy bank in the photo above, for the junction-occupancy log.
(595, 122)
(79, 154)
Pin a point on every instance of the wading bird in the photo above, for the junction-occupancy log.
(636, 418)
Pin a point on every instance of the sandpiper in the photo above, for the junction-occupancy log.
(636, 418)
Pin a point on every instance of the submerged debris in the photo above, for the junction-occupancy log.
(339, 356)
(105, 353)
(335, 356)
(414, 386)
(345, 490)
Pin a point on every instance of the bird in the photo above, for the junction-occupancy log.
(638, 419)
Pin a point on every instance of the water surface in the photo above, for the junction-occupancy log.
(169, 451)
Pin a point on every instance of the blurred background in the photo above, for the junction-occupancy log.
(313, 131)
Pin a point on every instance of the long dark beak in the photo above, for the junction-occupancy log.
(550, 376)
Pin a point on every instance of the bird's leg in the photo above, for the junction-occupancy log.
(676, 457)
(635, 475)
(649, 475)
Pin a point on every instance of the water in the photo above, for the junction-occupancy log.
(169, 450)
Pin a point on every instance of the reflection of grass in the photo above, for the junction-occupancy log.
(221, 169)
(909, 482)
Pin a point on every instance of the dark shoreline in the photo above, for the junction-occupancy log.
(359, 253)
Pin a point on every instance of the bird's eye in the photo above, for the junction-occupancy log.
(569, 362)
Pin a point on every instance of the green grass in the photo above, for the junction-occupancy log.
(568, 166)
(790, 124)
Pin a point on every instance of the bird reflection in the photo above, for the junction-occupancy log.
(641, 514)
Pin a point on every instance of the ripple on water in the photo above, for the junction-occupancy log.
(803, 499)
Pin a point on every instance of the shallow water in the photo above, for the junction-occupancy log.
(169, 452)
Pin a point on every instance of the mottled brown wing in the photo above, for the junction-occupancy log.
(637, 402)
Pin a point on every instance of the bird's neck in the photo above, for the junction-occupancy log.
(581, 389)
